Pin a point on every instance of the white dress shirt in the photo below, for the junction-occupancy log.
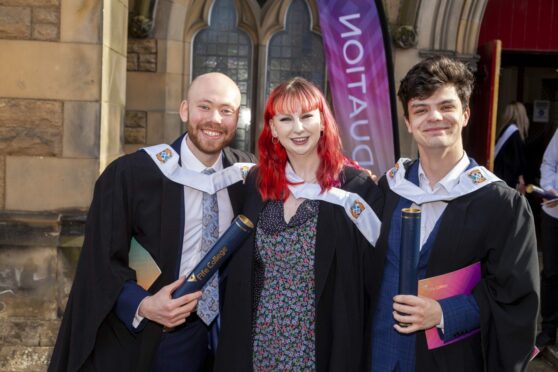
(191, 245)
(431, 212)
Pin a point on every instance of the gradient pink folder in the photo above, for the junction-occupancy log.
(454, 283)
(145, 266)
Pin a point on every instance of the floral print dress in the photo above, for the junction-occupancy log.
(284, 322)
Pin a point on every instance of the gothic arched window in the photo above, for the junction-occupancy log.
(222, 47)
(297, 51)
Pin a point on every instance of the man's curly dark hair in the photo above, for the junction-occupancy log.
(433, 73)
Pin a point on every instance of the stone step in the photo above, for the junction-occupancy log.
(30, 332)
(24, 358)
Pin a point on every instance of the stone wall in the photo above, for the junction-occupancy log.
(143, 124)
(50, 69)
(30, 19)
(39, 253)
(50, 114)
(142, 55)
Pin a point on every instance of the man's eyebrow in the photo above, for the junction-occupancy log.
(418, 104)
(421, 104)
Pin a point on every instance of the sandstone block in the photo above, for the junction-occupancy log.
(15, 22)
(45, 31)
(67, 182)
(138, 98)
(148, 62)
(30, 127)
(66, 71)
(134, 135)
(28, 332)
(81, 21)
(142, 46)
(29, 273)
(26, 113)
(31, 141)
(81, 129)
(23, 358)
(171, 57)
(132, 62)
(135, 119)
(130, 148)
(173, 127)
(155, 128)
(46, 15)
(30, 2)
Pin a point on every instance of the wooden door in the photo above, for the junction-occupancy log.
(479, 136)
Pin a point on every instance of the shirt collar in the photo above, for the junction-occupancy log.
(190, 161)
(449, 181)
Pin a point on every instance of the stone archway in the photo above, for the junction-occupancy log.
(425, 28)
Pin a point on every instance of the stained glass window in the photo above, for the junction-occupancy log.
(297, 51)
(222, 47)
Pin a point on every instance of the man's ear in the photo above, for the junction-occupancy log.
(466, 116)
(408, 124)
(184, 111)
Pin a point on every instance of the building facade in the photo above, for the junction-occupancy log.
(85, 81)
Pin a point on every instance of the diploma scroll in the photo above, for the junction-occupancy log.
(532, 189)
(409, 252)
(225, 246)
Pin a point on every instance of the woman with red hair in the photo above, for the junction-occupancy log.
(295, 297)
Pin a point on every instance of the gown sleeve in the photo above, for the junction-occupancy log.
(508, 294)
(102, 268)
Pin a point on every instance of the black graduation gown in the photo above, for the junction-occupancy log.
(341, 304)
(493, 226)
(511, 161)
(131, 198)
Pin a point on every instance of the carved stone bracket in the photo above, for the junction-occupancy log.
(405, 37)
(139, 26)
(141, 18)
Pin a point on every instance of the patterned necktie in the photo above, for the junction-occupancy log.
(208, 306)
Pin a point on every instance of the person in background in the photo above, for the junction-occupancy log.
(549, 234)
(110, 322)
(509, 153)
(295, 297)
(468, 217)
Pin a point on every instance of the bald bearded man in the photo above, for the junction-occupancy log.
(110, 322)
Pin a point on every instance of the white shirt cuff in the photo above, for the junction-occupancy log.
(138, 318)
(441, 325)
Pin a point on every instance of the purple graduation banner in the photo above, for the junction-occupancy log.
(358, 59)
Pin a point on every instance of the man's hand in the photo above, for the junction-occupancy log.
(551, 203)
(418, 312)
(163, 309)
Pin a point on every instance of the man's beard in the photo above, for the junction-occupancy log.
(195, 134)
